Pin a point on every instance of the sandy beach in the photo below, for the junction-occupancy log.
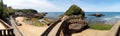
(91, 32)
(30, 30)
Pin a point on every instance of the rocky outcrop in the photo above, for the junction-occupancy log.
(30, 15)
(97, 15)
(75, 10)
(76, 24)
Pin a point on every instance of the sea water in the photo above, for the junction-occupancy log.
(108, 18)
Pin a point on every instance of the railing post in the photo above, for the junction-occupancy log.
(118, 32)
(8, 32)
(4, 31)
(12, 32)
(0, 32)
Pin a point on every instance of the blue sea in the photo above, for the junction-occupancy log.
(108, 18)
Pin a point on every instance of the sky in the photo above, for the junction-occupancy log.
(63, 5)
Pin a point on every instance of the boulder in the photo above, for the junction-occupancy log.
(76, 25)
(97, 15)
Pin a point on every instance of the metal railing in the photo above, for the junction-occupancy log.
(8, 31)
(14, 25)
(50, 28)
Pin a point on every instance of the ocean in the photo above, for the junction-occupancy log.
(108, 18)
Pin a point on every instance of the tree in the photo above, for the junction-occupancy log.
(4, 11)
(1, 9)
(10, 10)
(75, 10)
(27, 11)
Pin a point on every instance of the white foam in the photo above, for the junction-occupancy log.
(116, 17)
(107, 18)
(111, 18)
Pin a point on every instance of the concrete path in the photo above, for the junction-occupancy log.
(55, 29)
(91, 32)
(115, 29)
(16, 30)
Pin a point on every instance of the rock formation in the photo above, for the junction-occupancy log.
(75, 23)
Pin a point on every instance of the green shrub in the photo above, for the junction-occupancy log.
(74, 10)
(100, 26)
(35, 22)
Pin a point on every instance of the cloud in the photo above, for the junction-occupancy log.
(61, 5)
(40, 5)
(88, 7)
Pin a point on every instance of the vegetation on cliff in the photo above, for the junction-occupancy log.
(38, 22)
(5, 11)
(26, 11)
(75, 10)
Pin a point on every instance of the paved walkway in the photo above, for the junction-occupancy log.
(16, 30)
(55, 29)
(91, 32)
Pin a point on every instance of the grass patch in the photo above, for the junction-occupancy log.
(35, 22)
(100, 26)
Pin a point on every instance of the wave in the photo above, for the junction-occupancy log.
(110, 18)
(117, 17)
(104, 20)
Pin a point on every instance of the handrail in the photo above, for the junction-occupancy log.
(60, 28)
(8, 29)
(115, 29)
(118, 32)
(14, 25)
(50, 28)
(5, 24)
